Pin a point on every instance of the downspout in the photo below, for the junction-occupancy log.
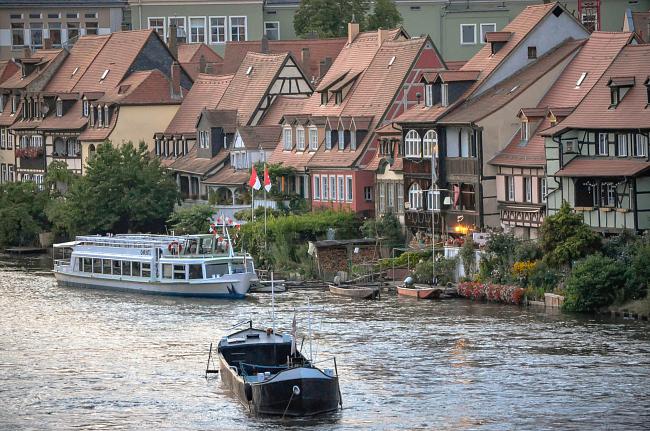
(140, 14)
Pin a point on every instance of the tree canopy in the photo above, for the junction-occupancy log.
(125, 189)
(191, 220)
(328, 18)
(384, 15)
(22, 211)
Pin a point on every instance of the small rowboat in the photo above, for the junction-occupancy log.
(360, 292)
(420, 292)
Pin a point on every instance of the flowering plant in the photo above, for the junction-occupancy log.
(491, 292)
(29, 152)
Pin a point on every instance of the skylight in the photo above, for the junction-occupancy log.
(581, 79)
(104, 75)
(249, 70)
(74, 71)
(513, 89)
(392, 60)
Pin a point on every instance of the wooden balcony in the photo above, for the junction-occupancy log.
(460, 167)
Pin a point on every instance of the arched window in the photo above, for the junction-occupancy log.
(91, 150)
(430, 143)
(412, 144)
(415, 196)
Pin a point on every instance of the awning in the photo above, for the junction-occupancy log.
(603, 168)
(68, 244)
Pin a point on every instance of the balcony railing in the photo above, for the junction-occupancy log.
(461, 166)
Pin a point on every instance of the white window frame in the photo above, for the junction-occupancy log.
(621, 144)
(287, 139)
(429, 143)
(224, 26)
(415, 196)
(316, 187)
(641, 143)
(341, 143)
(603, 146)
(381, 200)
(524, 131)
(412, 144)
(510, 188)
(190, 37)
(428, 94)
(324, 183)
(313, 138)
(230, 18)
(169, 20)
(278, 28)
(433, 200)
(461, 34)
(340, 181)
(611, 194)
(353, 140)
(543, 189)
(528, 189)
(444, 94)
(59, 108)
(328, 139)
(332, 183)
(482, 32)
(300, 138)
(349, 188)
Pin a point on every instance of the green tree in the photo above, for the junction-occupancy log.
(125, 189)
(384, 15)
(468, 256)
(191, 220)
(565, 238)
(328, 18)
(387, 229)
(593, 283)
(637, 278)
(22, 213)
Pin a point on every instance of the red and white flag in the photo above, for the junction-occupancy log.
(267, 179)
(254, 182)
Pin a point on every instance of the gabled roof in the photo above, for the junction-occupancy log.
(192, 164)
(44, 58)
(82, 54)
(284, 105)
(247, 89)
(205, 93)
(226, 118)
(595, 111)
(264, 137)
(149, 87)
(421, 114)
(319, 50)
(7, 69)
(72, 120)
(504, 92)
(6, 117)
(189, 56)
(458, 75)
(520, 153)
(641, 22)
(228, 177)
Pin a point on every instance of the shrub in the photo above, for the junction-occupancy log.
(191, 220)
(593, 283)
(386, 228)
(543, 278)
(444, 270)
(491, 292)
(638, 274)
(468, 256)
(521, 271)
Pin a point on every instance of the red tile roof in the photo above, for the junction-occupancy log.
(149, 87)
(228, 177)
(632, 112)
(284, 105)
(82, 54)
(198, 165)
(265, 137)
(421, 114)
(7, 69)
(455, 65)
(642, 25)
(189, 56)
(45, 58)
(319, 49)
(72, 120)
(296, 159)
(497, 36)
(603, 167)
(518, 153)
(205, 93)
(458, 75)
(6, 117)
(100, 134)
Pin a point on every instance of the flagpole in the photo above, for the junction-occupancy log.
(265, 203)
(252, 204)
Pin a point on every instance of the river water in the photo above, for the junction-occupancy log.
(82, 359)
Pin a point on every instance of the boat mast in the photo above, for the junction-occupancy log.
(433, 219)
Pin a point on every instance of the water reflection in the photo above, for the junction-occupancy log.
(101, 359)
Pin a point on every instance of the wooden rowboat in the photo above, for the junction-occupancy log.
(360, 292)
(420, 292)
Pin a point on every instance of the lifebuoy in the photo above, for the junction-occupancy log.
(175, 247)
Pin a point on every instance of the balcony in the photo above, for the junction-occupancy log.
(30, 158)
(461, 167)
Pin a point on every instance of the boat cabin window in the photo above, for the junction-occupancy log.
(86, 264)
(106, 266)
(207, 245)
(196, 271)
(117, 267)
(97, 266)
(179, 272)
(215, 269)
(167, 271)
(193, 246)
(126, 267)
(146, 270)
(238, 268)
(135, 268)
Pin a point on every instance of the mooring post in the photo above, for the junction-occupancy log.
(338, 383)
(207, 367)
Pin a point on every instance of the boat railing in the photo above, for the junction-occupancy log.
(62, 264)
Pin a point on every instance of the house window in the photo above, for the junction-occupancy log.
(641, 145)
(59, 108)
(158, 25)
(602, 144)
(524, 131)
(197, 29)
(581, 79)
(341, 139)
(585, 193)
(91, 15)
(608, 194)
(238, 28)
(287, 138)
(328, 139)
(400, 197)
(92, 27)
(72, 15)
(272, 30)
(317, 187)
(412, 144)
(300, 138)
(528, 189)
(367, 193)
(324, 187)
(36, 34)
(14, 104)
(106, 120)
(17, 35)
(217, 29)
(433, 200)
(100, 117)
(428, 95)
(543, 189)
(73, 31)
(390, 197)
(468, 34)
(621, 145)
(430, 143)
(353, 140)
(341, 183)
(532, 52)
(510, 188)
(181, 32)
(313, 138)
(338, 97)
(382, 197)
(323, 98)
(444, 92)
(415, 196)
(55, 34)
(487, 28)
(348, 188)
(332, 187)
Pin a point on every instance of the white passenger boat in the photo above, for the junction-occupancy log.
(189, 265)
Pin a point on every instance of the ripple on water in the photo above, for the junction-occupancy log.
(72, 358)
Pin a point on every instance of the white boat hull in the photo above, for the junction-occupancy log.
(233, 287)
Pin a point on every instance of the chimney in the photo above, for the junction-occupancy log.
(353, 31)
(47, 43)
(382, 35)
(304, 59)
(176, 80)
(172, 41)
(325, 66)
(264, 45)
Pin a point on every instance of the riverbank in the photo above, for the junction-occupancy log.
(639, 309)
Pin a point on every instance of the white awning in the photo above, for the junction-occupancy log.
(68, 244)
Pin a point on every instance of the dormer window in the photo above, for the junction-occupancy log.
(300, 138)
(100, 117)
(524, 131)
(74, 72)
(428, 95)
(323, 98)
(85, 107)
(106, 116)
(341, 139)
(313, 138)
(59, 108)
(287, 138)
(328, 139)
(2, 102)
(444, 91)
(619, 88)
(353, 140)
(532, 52)
(338, 97)
(14, 104)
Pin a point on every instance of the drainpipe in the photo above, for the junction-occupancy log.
(140, 14)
